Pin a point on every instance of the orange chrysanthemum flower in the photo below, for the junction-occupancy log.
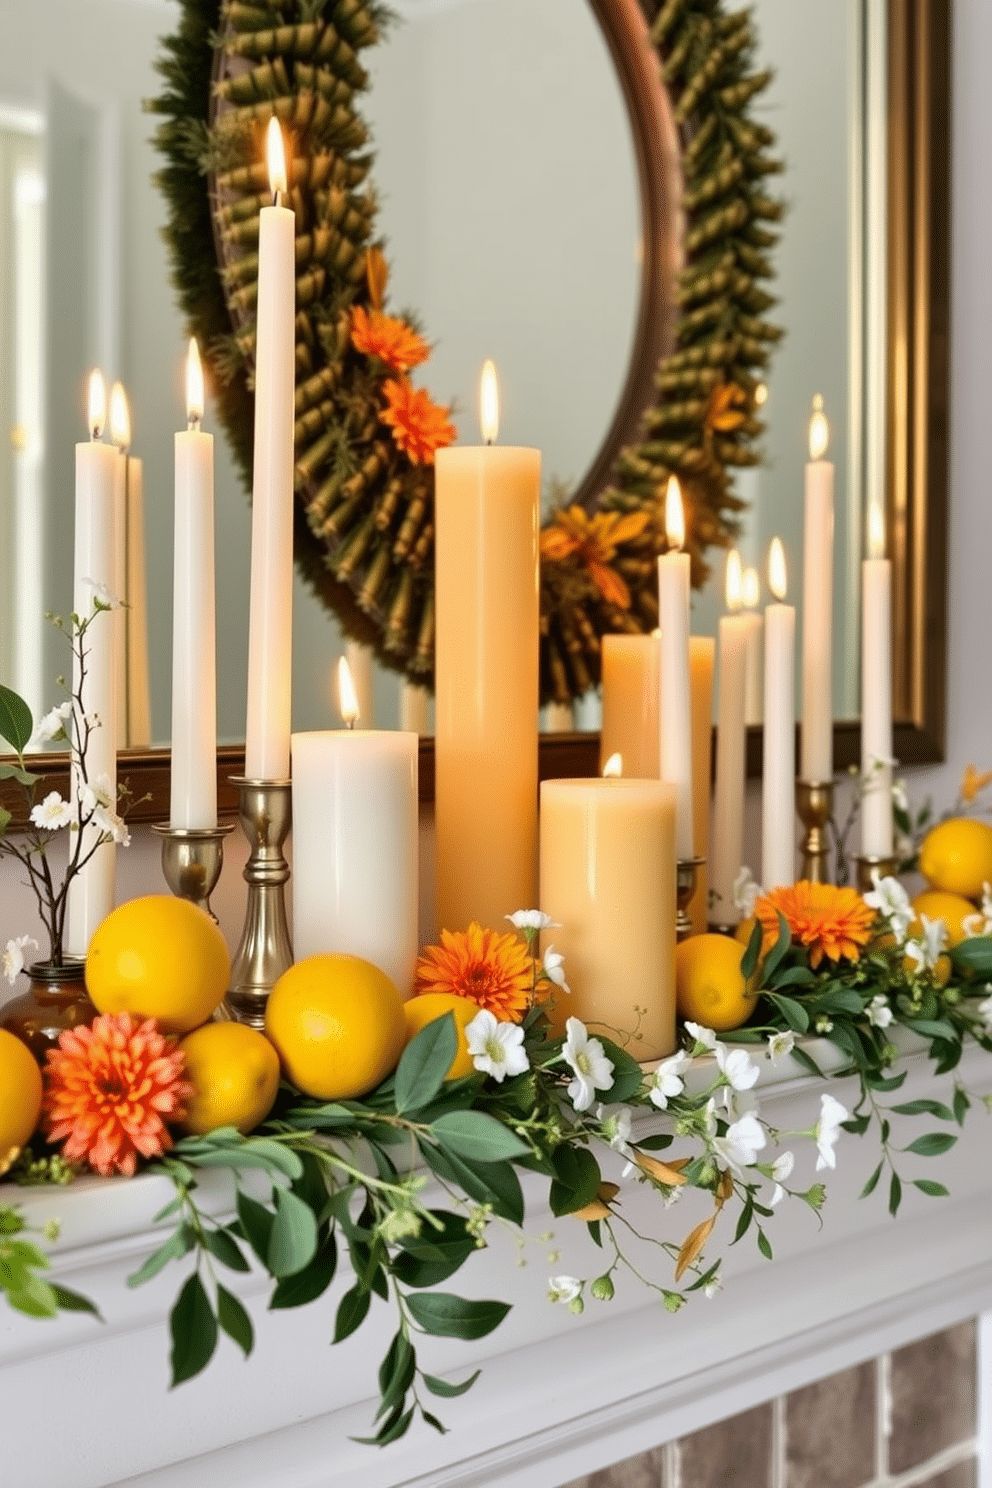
(595, 539)
(829, 922)
(108, 1091)
(419, 426)
(491, 969)
(390, 340)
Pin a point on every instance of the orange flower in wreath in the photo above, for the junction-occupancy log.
(491, 969)
(392, 341)
(595, 540)
(829, 922)
(419, 426)
(109, 1089)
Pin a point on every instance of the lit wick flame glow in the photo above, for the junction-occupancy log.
(97, 407)
(751, 589)
(120, 418)
(674, 515)
(819, 430)
(347, 697)
(734, 582)
(776, 569)
(275, 154)
(876, 531)
(613, 769)
(489, 402)
(194, 386)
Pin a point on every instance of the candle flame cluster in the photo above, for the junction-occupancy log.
(489, 402)
(194, 386)
(776, 569)
(819, 430)
(613, 769)
(674, 515)
(97, 404)
(347, 696)
(275, 154)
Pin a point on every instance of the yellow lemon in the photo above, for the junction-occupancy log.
(337, 1022)
(709, 986)
(158, 957)
(20, 1096)
(420, 1011)
(951, 908)
(234, 1072)
(956, 856)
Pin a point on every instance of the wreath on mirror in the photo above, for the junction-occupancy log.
(365, 436)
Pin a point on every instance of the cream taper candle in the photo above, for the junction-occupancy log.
(270, 625)
(818, 594)
(728, 807)
(778, 786)
(120, 435)
(702, 663)
(876, 693)
(754, 669)
(675, 753)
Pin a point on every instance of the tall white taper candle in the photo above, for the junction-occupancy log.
(818, 594)
(675, 719)
(876, 693)
(778, 788)
(728, 808)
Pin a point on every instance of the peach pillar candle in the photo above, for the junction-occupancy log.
(608, 878)
(486, 676)
(876, 692)
(818, 599)
(728, 807)
(675, 717)
(778, 787)
(754, 665)
(702, 659)
(630, 728)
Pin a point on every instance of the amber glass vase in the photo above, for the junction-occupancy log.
(55, 1000)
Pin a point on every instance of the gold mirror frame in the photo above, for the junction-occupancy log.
(916, 418)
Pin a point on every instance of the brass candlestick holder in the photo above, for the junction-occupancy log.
(265, 952)
(815, 806)
(686, 870)
(868, 864)
(192, 859)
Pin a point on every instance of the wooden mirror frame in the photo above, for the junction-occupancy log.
(916, 443)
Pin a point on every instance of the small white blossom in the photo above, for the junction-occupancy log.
(666, 1081)
(879, 1013)
(532, 919)
(827, 1130)
(925, 949)
(52, 726)
(713, 1286)
(103, 598)
(742, 1143)
(12, 960)
(704, 1036)
(889, 900)
(985, 1013)
(51, 813)
(781, 1044)
(587, 1059)
(824, 1024)
(746, 893)
(616, 1128)
(496, 1048)
(563, 1288)
(739, 1103)
(737, 1067)
(111, 825)
(900, 796)
(781, 1168)
(96, 793)
(981, 922)
(554, 968)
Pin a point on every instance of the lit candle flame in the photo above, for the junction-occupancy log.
(120, 418)
(876, 531)
(734, 582)
(194, 386)
(751, 589)
(97, 415)
(674, 515)
(819, 430)
(776, 569)
(347, 697)
(489, 402)
(761, 395)
(613, 769)
(275, 154)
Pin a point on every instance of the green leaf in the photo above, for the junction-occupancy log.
(23, 777)
(924, 1108)
(424, 1064)
(448, 1392)
(479, 1137)
(764, 1245)
(932, 1028)
(795, 976)
(428, 1259)
(744, 1220)
(885, 1086)
(807, 1061)
(974, 955)
(749, 960)
(179, 1243)
(444, 1314)
(792, 1011)
(310, 1283)
(5, 819)
(226, 1250)
(961, 1104)
(234, 1320)
(70, 1301)
(628, 1077)
(352, 1312)
(872, 1183)
(779, 950)
(257, 1221)
(28, 1293)
(16, 723)
(928, 1186)
(576, 1181)
(432, 1420)
(489, 1183)
(293, 1241)
(396, 1373)
(271, 1157)
(194, 1330)
(932, 1144)
(895, 1195)
(392, 1428)
(655, 1144)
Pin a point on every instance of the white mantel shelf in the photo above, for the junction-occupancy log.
(87, 1405)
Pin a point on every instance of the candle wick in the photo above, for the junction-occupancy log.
(351, 724)
(192, 422)
(277, 197)
(489, 443)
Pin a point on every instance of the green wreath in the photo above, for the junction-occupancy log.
(364, 472)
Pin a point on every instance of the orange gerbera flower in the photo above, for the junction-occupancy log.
(827, 921)
(108, 1090)
(491, 969)
(419, 426)
(389, 339)
(595, 539)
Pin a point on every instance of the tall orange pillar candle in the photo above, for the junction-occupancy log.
(702, 654)
(486, 677)
(630, 667)
(608, 879)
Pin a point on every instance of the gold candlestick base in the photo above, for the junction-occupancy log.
(265, 952)
(815, 806)
(192, 859)
(686, 870)
(867, 865)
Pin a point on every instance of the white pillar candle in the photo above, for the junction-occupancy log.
(818, 593)
(91, 892)
(356, 847)
(728, 807)
(876, 693)
(778, 808)
(120, 434)
(270, 623)
(193, 799)
(139, 707)
(414, 708)
(754, 671)
(675, 719)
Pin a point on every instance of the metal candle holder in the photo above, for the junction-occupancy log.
(868, 864)
(265, 952)
(815, 807)
(192, 858)
(686, 870)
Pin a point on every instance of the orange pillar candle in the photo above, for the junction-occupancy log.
(630, 668)
(608, 879)
(702, 653)
(486, 668)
